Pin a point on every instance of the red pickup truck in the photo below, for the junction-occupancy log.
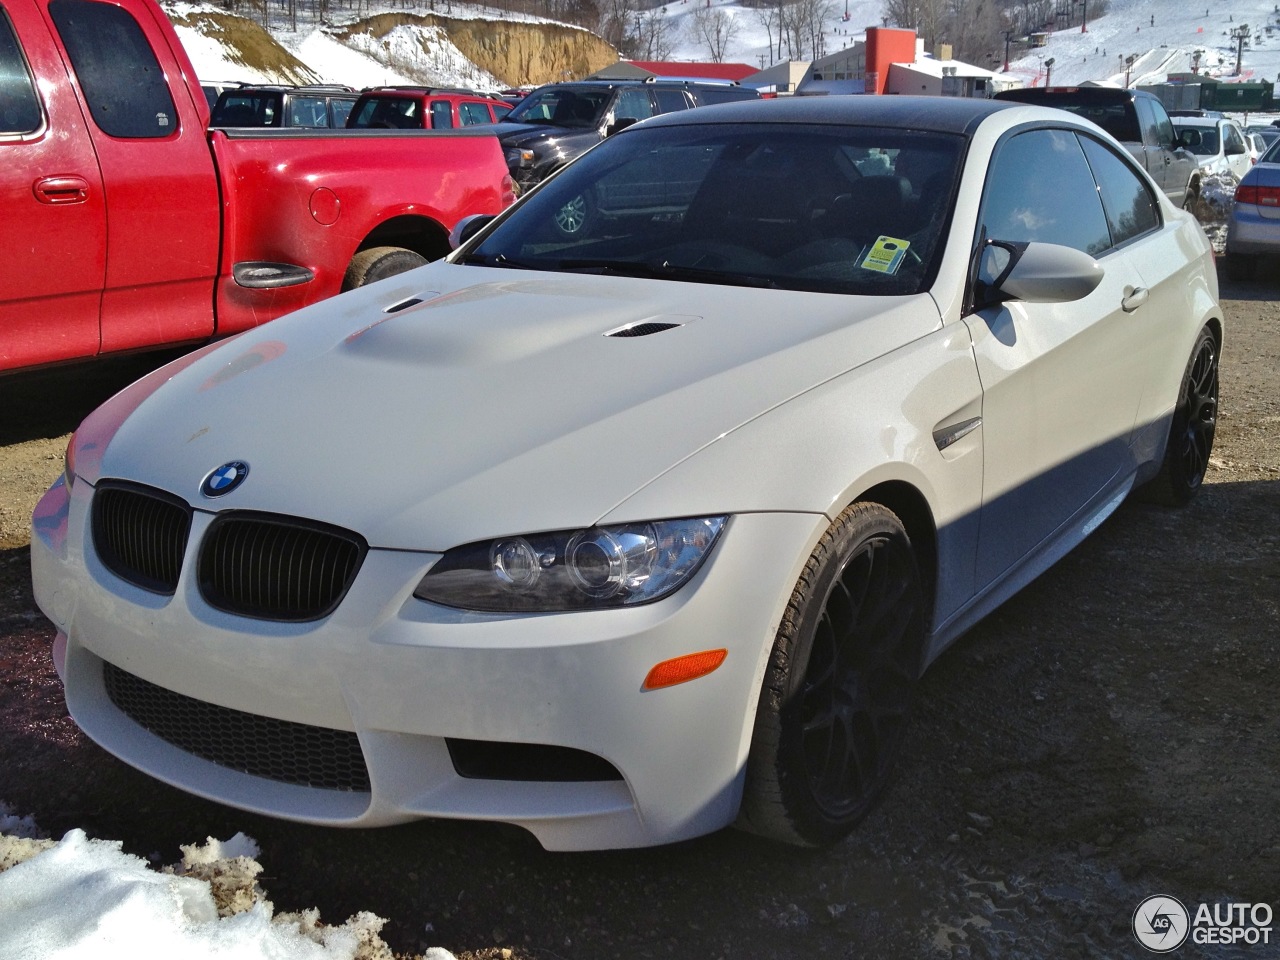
(128, 224)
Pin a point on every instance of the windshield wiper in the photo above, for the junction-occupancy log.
(499, 260)
(668, 271)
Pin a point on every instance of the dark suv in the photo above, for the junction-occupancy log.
(280, 105)
(559, 121)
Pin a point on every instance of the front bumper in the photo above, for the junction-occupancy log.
(405, 675)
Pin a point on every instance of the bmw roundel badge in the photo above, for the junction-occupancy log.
(225, 479)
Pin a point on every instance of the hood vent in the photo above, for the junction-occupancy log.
(644, 328)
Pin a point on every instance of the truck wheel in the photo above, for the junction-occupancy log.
(1192, 197)
(575, 216)
(378, 263)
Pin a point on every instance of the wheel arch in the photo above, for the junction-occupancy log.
(911, 507)
(423, 235)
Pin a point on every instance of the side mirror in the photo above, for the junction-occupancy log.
(619, 125)
(1188, 138)
(1035, 273)
(1235, 149)
(468, 227)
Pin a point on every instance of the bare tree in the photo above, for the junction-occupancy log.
(715, 28)
(654, 36)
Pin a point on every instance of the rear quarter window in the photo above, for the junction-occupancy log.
(118, 72)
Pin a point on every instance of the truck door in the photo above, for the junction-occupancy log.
(53, 246)
(161, 186)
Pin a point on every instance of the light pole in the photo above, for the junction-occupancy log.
(1084, 17)
(1128, 67)
(1048, 70)
(1008, 35)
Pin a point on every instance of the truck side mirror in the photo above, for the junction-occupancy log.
(1188, 138)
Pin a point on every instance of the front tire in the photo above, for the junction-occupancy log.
(378, 263)
(840, 683)
(1195, 418)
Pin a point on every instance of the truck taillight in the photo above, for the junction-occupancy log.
(1259, 196)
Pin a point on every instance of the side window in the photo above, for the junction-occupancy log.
(341, 110)
(1150, 123)
(1039, 187)
(1234, 141)
(441, 115)
(1129, 205)
(118, 71)
(474, 113)
(633, 102)
(307, 112)
(1164, 126)
(669, 101)
(19, 108)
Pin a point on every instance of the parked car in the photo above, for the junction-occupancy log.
(1253, 226)
(279, 105)
(1257, 146)
(627, 537)
(212, 89)
(558, 122)
(431, 108)
(143, 228)
(1138, 120)
(1266, 131)
(1219, 145)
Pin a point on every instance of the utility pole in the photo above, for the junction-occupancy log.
(1240, 34)
(1128, 67)
(1048, 70)
(1084, 17)
(1008, 35)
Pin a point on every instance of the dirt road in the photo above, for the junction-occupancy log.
(1109, 734)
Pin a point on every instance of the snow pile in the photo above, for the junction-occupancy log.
(84, 898)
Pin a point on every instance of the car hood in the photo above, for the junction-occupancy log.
(455, 403)
(524, 134)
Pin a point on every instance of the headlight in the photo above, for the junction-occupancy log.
(520, 157)
(613, 566)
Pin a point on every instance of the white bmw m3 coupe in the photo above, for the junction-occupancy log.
(642, 513)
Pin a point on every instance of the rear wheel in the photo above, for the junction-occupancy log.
(1186, 458)
(378, 263)
(840, 683)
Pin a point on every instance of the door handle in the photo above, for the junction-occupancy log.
(58, 190)
(1134, 297)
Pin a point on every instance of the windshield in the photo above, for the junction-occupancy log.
(562, 107)
(825, 208)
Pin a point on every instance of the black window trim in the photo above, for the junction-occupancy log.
(20, 136)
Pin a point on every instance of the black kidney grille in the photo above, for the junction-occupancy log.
(277, 568)
(141, 535)
(281, 750)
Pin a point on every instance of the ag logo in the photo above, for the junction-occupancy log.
(1161, 923)
(225, 479)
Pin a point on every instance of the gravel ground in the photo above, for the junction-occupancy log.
(1109, 734)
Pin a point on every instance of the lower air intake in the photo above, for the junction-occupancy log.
(280, 750)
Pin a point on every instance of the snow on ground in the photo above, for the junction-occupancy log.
(86, 899)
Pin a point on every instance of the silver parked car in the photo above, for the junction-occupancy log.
(1253, 228)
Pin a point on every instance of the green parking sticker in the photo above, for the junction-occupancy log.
(885, 255)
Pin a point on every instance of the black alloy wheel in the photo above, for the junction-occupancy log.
(840, 685)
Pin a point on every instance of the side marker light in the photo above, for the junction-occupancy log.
(680, 669)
